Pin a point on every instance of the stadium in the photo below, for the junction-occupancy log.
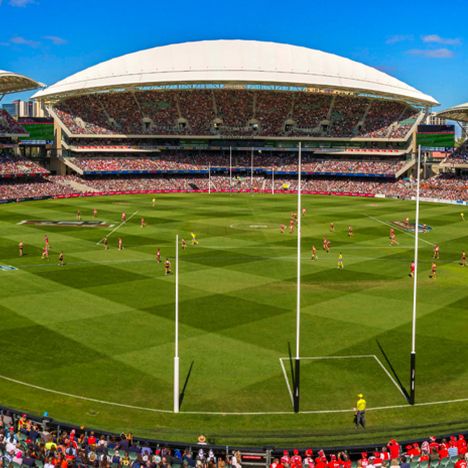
(290, 177)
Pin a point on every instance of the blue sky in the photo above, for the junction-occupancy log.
(424, 43)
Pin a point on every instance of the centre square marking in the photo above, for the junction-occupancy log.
(335, 376)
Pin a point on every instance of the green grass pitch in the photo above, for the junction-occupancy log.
(102, 327)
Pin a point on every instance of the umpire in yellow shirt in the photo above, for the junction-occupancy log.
(360, 412)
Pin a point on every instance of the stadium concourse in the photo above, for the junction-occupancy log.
(40, 442)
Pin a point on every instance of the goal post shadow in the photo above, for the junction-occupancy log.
(291, 385)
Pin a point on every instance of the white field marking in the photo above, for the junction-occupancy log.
(105, 262)
(79, 397)
(399, 229)
(118, 226)
(390, 376)
(287, 381)
(352, 356)
(226, 413)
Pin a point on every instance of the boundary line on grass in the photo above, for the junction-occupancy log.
(224, 413)
(287, 380)
(118, 226)
(399, 229)
(352, 356)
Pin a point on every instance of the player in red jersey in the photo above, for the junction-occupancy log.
(463, 258)
(412, 268)
(120, 243)
(332, 227)
(282, 228)
(167, 267)
(291, 226)
(304, 211)
(46, 240)
(393, 239)
(142, 222)
(184, 244)
(94, 212)
(158, 255)
(433, 274)
(21, 248)
(314, 253)
(105, 242)
(350, 231)
(123, 216)
(436, 251)
(45, 252)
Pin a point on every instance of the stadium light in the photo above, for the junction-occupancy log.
(176, 339)
(415, 286)
(298, 296)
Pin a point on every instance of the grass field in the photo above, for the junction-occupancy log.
(101, 327)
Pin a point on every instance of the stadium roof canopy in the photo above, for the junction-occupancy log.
(14, 83)
(458, 113)
(234, 62)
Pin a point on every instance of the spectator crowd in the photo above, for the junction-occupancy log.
(234, 112)
(202, 161)
(8, 125)
(34, 443)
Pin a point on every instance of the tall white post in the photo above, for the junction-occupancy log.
(176, 339)
(299, 216)
(297, 367)
(209, 177)
(272, 180)
(415, 284)
(230, 169)
(251, 170)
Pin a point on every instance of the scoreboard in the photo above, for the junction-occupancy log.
(436, 136)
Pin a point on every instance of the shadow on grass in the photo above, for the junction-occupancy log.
(291, 365)
(392, 369)
(182, 393)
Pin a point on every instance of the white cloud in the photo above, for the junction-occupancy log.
(436, 39)
(20, 3)
(399, 38)
(20, 40)
(432, 53)
(57, 40)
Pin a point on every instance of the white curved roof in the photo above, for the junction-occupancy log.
(235, 61)
(13, 82)
(458, 113)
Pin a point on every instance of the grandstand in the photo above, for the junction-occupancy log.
(238, 106)
(11, 165)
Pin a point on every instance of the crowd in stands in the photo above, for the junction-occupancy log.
(459, 156)
(448, 187)
(13, 189)
(8, 125)
(234, 112)
(32, 443)
(12, 166)
(199, 161)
